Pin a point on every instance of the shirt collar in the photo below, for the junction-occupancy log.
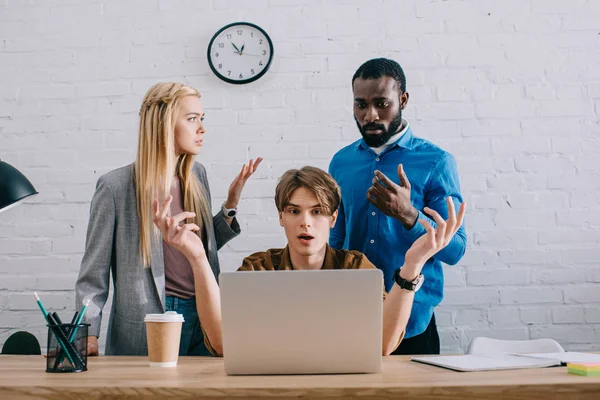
(405, 140)
(286, 261)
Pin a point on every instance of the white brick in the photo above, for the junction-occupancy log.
(466, 147)
(296, 29)
(568, 315)
(556, 275)
(502, 239)
(505, 219)
(309, 133)
(29, 319)
(479, 128)
(525, 24)
(271, 100)
(479, 93)
(551, 108)
(555, 7)
(494, 276)
(450, 93)
(530, 295)
(323, 151)
(592, 314)
(115, 122)
(581, 256)
(392, 44)
(446, 111)
(279, 152)
(509, 110)
(578, 181)
(540, 92)
(516, 145)
(44, 229)
(454, 276)
(265, 117)
(360, 28)
(550, 126)
(582, 294)
(116, 8)
(451, 340)
(469, 296)
(329, 98)
(535, 315)
(503, 317)
(444, 316)
(502, 333)
(14, 246)
(256, 243)
(329, 80)
(530, 257)
(68, 246)
(298, 98)
(102, 89)
(593, 275)
(540, 164)
(511, 42)
(564, 334)
(477, 257)
(481, 58)
(594, 90)
(472, 317)
(26, 301)
(568, 92)
(577, 218)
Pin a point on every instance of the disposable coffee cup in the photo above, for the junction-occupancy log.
(163, 332)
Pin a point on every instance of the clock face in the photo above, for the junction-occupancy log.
(240, 53)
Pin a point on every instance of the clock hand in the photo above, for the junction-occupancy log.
(235, 47)
(242, 49)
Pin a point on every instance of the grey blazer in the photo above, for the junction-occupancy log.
(112, 246)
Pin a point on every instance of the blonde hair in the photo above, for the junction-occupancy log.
(315, 179)
(156, 164)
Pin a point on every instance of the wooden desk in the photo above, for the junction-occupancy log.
(199, 377)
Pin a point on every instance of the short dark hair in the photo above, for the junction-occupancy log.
(378, 67)
(320, 182)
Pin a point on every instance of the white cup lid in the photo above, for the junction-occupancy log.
(169, 316)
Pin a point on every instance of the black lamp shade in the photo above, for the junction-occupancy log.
(14, 187)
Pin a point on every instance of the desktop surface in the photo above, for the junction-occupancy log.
(204, 377)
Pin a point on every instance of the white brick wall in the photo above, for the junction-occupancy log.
(511, 88)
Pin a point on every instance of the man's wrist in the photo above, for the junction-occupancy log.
(409, 219)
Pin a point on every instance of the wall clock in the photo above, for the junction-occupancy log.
(240, 52)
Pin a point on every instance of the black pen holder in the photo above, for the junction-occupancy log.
(67, 351)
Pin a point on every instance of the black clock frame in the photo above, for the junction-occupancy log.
(243, 81)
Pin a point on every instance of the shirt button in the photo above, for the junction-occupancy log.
(373, 213)
(377, 159)
(372, 241)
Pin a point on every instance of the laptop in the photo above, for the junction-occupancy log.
(302, 322)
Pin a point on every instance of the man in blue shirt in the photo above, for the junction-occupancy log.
(388, 179)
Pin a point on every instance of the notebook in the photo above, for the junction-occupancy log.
(569, 357)
(487, 362)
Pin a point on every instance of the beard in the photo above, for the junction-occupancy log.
(374, 140)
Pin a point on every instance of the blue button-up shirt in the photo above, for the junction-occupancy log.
(433, 175)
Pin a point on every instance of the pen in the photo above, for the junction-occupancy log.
(37, 298)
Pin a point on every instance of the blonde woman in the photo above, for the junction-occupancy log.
(148, 275)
